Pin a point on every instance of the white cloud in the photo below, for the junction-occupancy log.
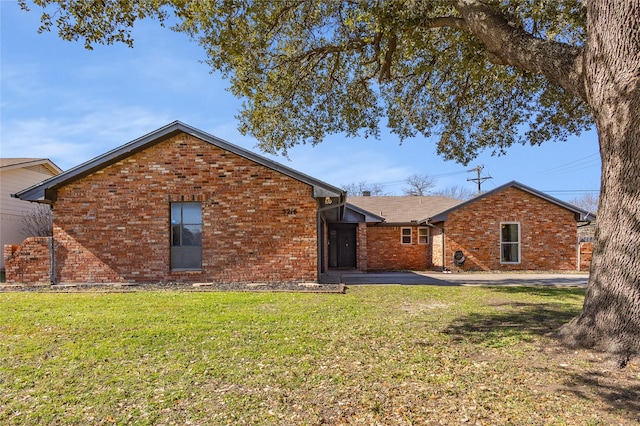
(69, 141)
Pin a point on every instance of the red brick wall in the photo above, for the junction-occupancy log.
(548, 233)
(28, 263)
(113, 225)
(586, 252)
(385, 251)
(361, 235)
(79, 261)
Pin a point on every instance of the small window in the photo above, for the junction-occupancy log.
(186, 236)
(406, 235)
(423, 235)
(510, 242)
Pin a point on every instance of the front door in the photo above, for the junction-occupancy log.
(342, 246)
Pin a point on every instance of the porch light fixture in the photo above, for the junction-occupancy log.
(328, 200)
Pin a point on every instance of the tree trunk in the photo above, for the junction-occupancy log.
(610, 318)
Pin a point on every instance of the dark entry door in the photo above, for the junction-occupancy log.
(342, 246)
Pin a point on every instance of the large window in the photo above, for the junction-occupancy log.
(510, 242)
(186, 236)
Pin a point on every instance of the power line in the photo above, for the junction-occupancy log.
(572, 191)
(572, 166)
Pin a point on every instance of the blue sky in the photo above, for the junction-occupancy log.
(63, 102)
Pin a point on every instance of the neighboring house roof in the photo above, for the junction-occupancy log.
(362, 214)
(402, 209)
(581, 215)
(587, 230)
(43, 165)
(43, 190)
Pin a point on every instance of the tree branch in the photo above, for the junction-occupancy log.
(385, 73)
(561, 63)
(445, 21)
(329, 49)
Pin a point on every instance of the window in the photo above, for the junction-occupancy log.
(186, 236)
(423, 235)
(406, 236)
(509, 242)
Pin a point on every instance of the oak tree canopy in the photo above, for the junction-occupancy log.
(306, 69)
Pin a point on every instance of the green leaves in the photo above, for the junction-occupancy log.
(97, 22)
(307, 69)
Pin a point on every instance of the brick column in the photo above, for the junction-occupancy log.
(362, 247)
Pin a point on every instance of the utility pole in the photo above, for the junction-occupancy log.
(479, 179)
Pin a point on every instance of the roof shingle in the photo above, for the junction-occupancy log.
(403, 209)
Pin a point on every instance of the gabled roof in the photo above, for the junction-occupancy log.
(402, 209)
(581, 215)
(22, 163)
(40, 191)
(367, 216)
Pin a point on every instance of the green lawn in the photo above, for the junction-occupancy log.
(390, 355)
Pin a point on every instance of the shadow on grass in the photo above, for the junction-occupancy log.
(511, 319)
(620, 394)
(562, 293)
(510, 323)
(519, 318)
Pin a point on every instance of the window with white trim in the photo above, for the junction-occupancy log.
(186, 236)
(509, 242)
(406, 236)
(423, 235)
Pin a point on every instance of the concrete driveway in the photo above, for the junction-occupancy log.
(464, 279)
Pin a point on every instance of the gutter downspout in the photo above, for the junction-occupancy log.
(578, 265)
(319, 230)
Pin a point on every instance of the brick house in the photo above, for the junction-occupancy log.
(390, 235)
(179, 205)
(512, 227)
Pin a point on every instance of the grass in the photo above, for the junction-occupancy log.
(377, 355)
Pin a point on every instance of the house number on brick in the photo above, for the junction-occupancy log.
(289, 211)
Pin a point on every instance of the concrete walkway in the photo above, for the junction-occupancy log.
(459, 279)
